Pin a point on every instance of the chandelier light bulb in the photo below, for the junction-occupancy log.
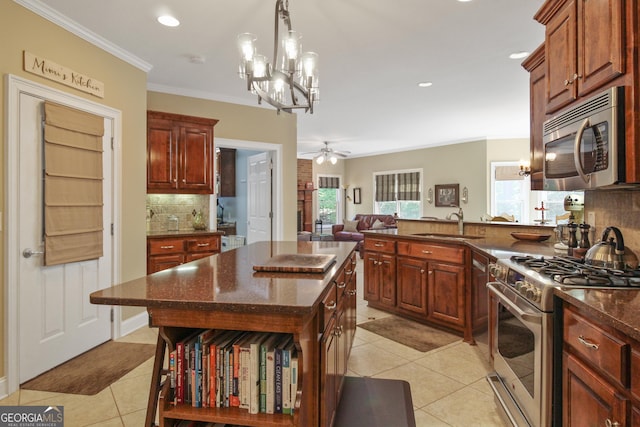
(320, 159)
(291, 46)
(333, 160)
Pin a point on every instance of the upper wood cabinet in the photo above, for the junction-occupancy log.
(226, 171)
(535, 65)
(179, 153)
(584, 47)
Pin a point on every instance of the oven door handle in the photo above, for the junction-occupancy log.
(531, 318)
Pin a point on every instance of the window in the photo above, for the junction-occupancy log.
(511, 194)
(329, 202)
(398, 192)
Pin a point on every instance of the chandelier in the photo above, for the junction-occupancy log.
(320, 159)
(289, 81)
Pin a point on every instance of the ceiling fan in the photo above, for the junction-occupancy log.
(328, 154)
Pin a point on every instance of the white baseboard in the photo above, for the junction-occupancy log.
(134, 323)
(4, 391)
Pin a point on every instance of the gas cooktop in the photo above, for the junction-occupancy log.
(573, 271)
(535, 278)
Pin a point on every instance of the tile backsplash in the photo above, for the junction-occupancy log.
(619, 208)
(184, 206)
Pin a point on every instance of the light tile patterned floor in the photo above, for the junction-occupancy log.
(448, 385)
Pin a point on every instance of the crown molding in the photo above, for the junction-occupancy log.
(192, 93)
(73, 27)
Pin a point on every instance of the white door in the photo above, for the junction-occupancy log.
(56, 320)
(259, 198)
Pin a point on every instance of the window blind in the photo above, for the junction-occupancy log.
(329, 182)
(385, 188)
(508, 173)
(72, 184)
(409, 186)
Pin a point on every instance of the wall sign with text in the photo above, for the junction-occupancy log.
(50, 70)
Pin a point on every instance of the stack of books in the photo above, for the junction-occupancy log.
(255, 371)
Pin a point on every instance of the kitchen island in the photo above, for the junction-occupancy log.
(224, 292)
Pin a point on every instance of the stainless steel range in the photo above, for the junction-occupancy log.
(521, 338)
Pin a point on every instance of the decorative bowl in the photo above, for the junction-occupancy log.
(532, 237)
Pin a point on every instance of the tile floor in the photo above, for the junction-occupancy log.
(447, 384)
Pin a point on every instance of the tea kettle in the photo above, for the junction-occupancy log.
(608, 254)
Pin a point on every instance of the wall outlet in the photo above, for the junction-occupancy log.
(591, 218)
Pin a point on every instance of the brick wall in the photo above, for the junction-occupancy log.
(305, 172)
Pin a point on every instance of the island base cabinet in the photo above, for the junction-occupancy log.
(589, 400)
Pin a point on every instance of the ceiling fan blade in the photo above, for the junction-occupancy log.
(340, 154)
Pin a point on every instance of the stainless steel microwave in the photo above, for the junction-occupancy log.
(584, 145)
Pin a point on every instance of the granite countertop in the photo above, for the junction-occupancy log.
(182, 233)
(493, 247)
(227, 282)
(618, 308)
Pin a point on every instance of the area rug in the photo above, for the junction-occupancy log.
(94, 370)
(412, 334)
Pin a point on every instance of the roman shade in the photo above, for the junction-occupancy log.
(329, 182)
(409, 186)
(385, 188)
(508, 173)
(72, 185)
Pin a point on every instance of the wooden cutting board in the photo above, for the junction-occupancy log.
(297, 263)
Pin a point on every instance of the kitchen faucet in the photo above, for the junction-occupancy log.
(460, 216)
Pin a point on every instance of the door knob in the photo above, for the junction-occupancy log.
(28, 253)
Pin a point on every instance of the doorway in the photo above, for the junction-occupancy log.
(242, 205)
(49, 317)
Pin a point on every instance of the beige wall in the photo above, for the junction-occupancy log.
(466, 164)
(125, 90)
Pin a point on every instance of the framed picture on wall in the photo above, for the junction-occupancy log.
(356, 196)
(448, 195)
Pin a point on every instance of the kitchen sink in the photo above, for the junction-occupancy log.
(448, 236)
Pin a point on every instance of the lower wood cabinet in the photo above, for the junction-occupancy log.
(337, 339)
(167, 252)
(427, 281)
(600, 373)
(380, 271)
(446, 294)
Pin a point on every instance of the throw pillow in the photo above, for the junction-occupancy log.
(350, 226)
(377, 225)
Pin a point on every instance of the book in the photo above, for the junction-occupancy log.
(294, 380)
(172, 377)
(287, 351)
(277, 374)
(254, 373)
(266, 371)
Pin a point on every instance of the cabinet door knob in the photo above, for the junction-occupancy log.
(422, 271)
(610, 423)
(332, 305)
(342, 285)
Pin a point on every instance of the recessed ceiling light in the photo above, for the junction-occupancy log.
(518, 55)
(464, 1)
(424, 84)
(168, 21)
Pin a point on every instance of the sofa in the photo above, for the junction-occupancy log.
(351, 231)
